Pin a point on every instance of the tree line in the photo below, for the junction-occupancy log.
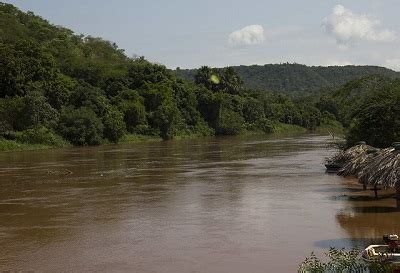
(54, 83)
(297, 79)
(369, 109)
(58, 87)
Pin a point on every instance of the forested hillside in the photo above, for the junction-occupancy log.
(369, 108)
(58, 87)
(297, 79)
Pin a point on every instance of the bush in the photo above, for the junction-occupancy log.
(253, 110)
(146, 130)
(134, 115)
(114, 126)
(166, 119)
(202, 129)
(40, 135)
(80, 126)
(341, 261)
(229, 122)
(377, 120)
(265, 125)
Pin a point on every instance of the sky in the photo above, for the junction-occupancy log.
(192, 33)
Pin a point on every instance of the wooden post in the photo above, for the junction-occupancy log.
(398, 197)
(375, 190)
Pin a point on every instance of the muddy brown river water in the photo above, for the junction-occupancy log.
(210, 205)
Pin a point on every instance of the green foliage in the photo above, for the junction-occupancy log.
(13, 145)
(295, 79)
(341, 261)
(220, 79)
(130, 103)
(142, 73)
(329, 105)
(37, 111)
(377, 119)
(85, 95)
(80, 126)
(368, 108)
(283, 129)
(264, 125)
(229, 122)
(87, 89)
(23, 65)
(41, 135)
(253, 110)
(59, 91)
(353, 94)
(166, 118)
(114, 125)
(11, 117)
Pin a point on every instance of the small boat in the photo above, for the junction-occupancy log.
(384, 254)
(333, 167)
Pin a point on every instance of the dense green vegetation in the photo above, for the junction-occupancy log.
(369, 108)
(57, 87)
(297, 79)
(342, 261)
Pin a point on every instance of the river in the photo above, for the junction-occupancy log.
(211, 205)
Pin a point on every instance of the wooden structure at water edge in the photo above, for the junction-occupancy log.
(375, 168)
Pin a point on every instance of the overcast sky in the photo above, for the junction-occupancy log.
(191, 33)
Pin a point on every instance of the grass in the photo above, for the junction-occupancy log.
(282, 128)
(12, 145)
(132, 138)
(333, 128)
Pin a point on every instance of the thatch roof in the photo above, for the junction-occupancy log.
(355, 165)
(383, 170)
(352, 153)
(371, 166)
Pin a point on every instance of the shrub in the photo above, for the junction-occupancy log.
(114, 125)
(229, 122)
(40, 135)
(80, 126)
(265, 125)
(166, 119)
(341, 261)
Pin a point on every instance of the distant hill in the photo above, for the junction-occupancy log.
(297, 78)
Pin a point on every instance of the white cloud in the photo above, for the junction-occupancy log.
(250, 35)
(393, 64)
(348, 27)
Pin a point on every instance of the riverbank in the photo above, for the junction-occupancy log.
(280, 129)
(14, 145)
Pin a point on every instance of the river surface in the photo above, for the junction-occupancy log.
(210, 205)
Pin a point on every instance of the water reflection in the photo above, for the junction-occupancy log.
(207, 205)
(347, 243)
(367, 217)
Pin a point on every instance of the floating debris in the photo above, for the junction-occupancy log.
(59, 172)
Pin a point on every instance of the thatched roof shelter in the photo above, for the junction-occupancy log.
(373, 167)
(382, 170)
(352, 154)
(359, 160)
